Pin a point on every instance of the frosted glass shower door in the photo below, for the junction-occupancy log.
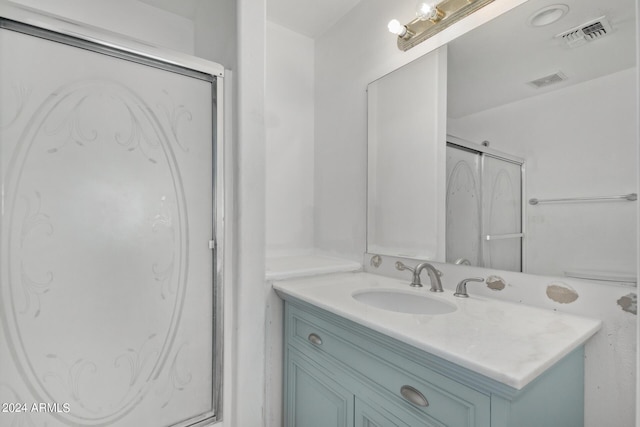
(463, 207)
(107, 296)
(502, 214)
(484, 209)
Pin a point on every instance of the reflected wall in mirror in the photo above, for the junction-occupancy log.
(406, 156)
(568, 110)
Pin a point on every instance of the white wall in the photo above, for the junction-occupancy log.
(354, 52)
(128, 17)
(289, 106)
(290, 142)
(576, 141)
(638, 216)
(215, 32)
(249, 289)
(211, 35)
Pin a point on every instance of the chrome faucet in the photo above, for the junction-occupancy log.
(461, 289)
(434, 275)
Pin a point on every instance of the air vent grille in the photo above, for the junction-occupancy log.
(594, 31)
(587, 32)
(548, 80)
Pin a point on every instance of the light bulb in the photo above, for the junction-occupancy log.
(428, 11)
(424, 10)
(397, 28)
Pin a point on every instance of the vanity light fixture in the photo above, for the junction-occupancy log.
(431, 18)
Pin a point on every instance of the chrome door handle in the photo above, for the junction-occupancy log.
(315, 339)
(413, 396)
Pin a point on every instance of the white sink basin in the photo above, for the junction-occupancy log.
(404, 302)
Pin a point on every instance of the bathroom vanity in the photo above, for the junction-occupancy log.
(486, 363)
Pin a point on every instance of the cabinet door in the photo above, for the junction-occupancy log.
(383, 413)
(313, 399)
(367, 416)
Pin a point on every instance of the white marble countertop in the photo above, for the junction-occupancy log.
(510, 343)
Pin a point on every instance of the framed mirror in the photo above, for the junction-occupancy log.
(552, 86)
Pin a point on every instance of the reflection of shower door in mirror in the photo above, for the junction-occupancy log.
(484, 209)
(107, 297)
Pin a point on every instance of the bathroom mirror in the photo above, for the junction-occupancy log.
(552, 86)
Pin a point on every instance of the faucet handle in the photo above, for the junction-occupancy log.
(461, 289)
(401, 267)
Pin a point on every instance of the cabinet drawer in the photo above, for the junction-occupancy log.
(374, 364)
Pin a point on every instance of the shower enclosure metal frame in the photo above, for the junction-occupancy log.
(33, 22)
(485, 150)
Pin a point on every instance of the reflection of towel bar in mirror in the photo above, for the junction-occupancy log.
(629, 197)
(503, 236)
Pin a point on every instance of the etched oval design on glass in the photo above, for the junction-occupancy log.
(463, 211)
(97, 225)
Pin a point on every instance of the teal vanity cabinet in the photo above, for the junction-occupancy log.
(340, 373)
(315, 397)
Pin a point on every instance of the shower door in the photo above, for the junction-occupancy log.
(502, 213)
(107, 297)
(464, 207)
(484, 209)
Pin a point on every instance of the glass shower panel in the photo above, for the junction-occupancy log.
(463, 206)
(107, 302)
(502, 214)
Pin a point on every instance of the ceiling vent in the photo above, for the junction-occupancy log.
(587, 32)
(548, 80)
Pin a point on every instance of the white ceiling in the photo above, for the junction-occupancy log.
(308, 17)
(491, 65)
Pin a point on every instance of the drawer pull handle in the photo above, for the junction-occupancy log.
(414, 396)
(315, 339)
